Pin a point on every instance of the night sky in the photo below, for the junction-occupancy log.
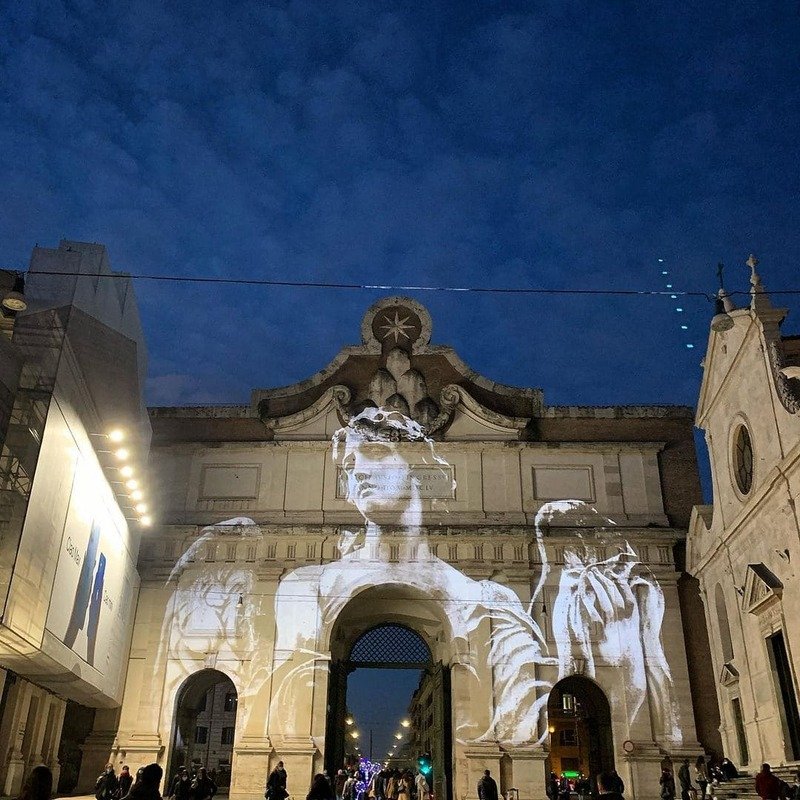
(556, 145)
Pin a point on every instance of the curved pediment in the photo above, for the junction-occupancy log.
(396, 367)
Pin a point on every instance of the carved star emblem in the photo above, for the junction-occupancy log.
(396, 327)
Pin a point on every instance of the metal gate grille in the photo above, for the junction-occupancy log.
(390, 644)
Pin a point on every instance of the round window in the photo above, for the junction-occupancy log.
(743, 460)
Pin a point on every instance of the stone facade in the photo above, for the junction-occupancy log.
(743, 548)
(260, 545)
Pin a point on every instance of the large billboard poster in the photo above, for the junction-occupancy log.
(91, 603)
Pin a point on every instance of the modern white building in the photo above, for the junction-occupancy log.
(745, 548)
(73, 369)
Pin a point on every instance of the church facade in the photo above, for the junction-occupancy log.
(743, 548)
(536, 552)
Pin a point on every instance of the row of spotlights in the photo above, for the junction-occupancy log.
(131, 484)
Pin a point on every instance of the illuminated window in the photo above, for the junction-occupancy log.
(567, 702)
(227, 736)
(201, 734)
(230, 701)
(743, 460)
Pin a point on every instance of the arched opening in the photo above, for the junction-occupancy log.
(204, 727)
(388, 697)
(579, 725)
(724, 626)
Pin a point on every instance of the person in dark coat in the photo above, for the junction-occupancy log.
(181, 788)
(276, 784)
(125, 782)
(203, 788)
(145, 787)
(107, 784)
(487, 787)
(667, 784)
(768, 785)
(608, 784)
(320, 789)
(685, 780)
(39, 784)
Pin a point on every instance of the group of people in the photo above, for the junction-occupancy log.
(109, 786)
(605, 783)
(187, 786)
(704, 774)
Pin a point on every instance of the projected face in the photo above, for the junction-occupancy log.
(378, 479)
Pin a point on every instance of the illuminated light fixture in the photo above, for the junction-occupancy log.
(15, 299)
(679, 309)
(664, 272)
(126, 471)
(116, 435)
(121, 454)
(673, 297)
(354, 734)
(146, 521)
(660, 260)
(406, 723)
(141, 507)
(690, 346)
(684, 327)
(132, 483)
(349, 720)
(137, 494)
(551, 729)
(398, 736)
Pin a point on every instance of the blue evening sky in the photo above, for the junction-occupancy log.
(561, 144)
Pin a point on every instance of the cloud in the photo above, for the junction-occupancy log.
(567, 145)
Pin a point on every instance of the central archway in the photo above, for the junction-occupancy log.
(579, 724)
(390, 636)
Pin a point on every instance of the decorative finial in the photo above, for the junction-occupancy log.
(755, 278)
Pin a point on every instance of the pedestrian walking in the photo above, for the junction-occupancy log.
(105, 788)
(276, 784)
(667, 782)
(203, 788)
(701, 775)
(768, 785)
(685, 780)
(125, 781)
(487, 787)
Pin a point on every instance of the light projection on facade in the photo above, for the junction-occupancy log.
(607, 607)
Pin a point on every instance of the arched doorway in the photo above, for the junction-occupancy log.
(579, 725)
(204, 726)
(370, 655)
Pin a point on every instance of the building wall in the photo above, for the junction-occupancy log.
(743, 547)
(68, 552)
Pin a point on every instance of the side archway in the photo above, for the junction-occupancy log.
(204, 726)
(579, 726)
